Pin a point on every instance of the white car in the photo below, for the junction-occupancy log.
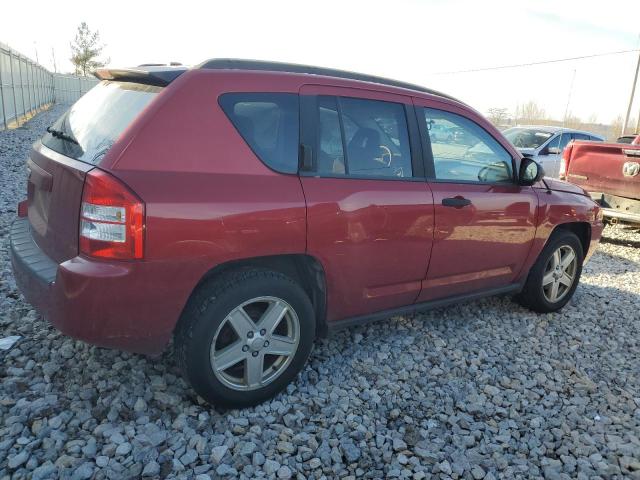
(545, 144)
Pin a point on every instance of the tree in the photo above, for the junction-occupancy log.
(85, 50)
(497, 116)
(615, 128)
(530, 113)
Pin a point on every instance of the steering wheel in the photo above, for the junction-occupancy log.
(386, 153)
(518, 142)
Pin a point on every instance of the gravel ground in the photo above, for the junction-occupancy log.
(480, 390)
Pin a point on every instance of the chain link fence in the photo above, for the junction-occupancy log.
(26, 87)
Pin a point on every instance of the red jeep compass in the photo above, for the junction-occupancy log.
(243, 208)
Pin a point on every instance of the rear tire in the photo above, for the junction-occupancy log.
(244, 336)
(554, 277)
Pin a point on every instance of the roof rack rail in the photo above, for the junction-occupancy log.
(261, 65)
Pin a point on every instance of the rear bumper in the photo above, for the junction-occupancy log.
(619, 208)
(125, 305)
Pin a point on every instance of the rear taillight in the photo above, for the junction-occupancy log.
(564, 162)
(111, 218)
(23, 208)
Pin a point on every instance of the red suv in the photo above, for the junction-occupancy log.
(243, 208)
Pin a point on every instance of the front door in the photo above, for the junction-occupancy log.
(551, 154)
(484, 221)
(369, 208)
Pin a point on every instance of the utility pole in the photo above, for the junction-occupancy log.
(633, 91)
(53, 54)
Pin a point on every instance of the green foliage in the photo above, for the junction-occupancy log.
(85, 50)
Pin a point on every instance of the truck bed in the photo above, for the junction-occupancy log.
(610, 172)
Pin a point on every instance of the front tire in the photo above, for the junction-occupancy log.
(244, 336)
(554, 277)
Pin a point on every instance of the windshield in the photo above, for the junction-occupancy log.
(94, 123)
(526, 137)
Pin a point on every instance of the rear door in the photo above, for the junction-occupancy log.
(369, 209)
(484, 221)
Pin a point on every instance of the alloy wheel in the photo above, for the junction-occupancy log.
(255, 343)
(559, 273)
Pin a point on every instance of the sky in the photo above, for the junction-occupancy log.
(419, 41)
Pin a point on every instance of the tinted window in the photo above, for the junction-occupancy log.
(96, 120)
(560, 141)
(526, 137)
(373, 133)
(330, 148)
(581, 136)
(268, 122)
(465, 151)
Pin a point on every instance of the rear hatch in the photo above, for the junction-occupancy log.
(610, 168)
(76, 143)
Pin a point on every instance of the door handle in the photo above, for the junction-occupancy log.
(456, 202)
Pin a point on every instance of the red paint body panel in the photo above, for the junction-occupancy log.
(126, 305)
(558, 208)
(373, 238)
(54, 191)
(482, 245)
(209, 200)
(598, 167)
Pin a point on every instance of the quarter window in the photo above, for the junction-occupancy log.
(268, 122)
(463, 151)
(361, 137)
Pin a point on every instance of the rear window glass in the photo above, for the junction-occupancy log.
(94, 123)
(268, 122)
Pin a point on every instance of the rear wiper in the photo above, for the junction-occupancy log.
(61, 135)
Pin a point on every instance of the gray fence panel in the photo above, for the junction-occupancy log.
(26, 87)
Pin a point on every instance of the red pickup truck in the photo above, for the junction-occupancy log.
(610, 172)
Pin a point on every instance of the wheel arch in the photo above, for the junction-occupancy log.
(306, 270)
(581, 229)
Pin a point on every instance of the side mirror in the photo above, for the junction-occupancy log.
(530, 172)
(553, 151)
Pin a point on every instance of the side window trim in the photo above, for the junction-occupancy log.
(415, 145)
(429, 160)
(425, 141)
(308, 138)
(343, 136)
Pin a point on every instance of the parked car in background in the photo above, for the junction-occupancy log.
(629, 139)
(545, 144)
(244, 208)
(610, 172)
(440, 133)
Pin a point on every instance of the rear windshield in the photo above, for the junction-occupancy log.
(94, 123)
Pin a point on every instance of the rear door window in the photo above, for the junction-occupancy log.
(359, 137)
(94, 123)
(268, 122)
